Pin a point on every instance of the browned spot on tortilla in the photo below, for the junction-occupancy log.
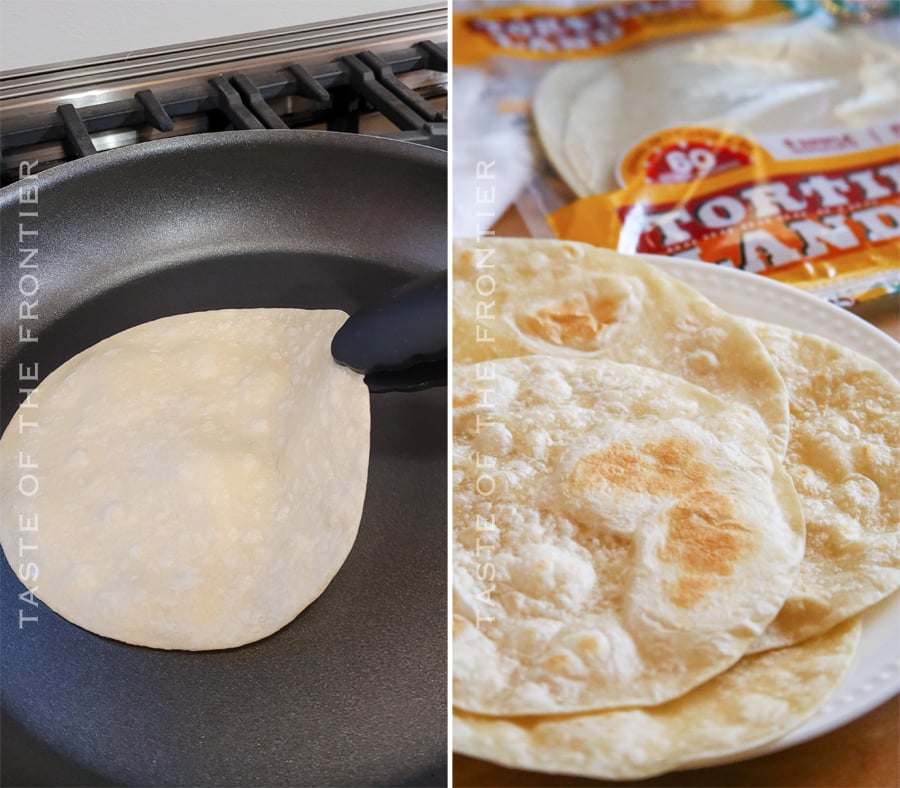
(465, 258)
(574, 323)
(561, 663)
(462, 402)
(704, 541)
(619, 465)
(690, 589)
(676, 452)
(588, 645)
(669, 467)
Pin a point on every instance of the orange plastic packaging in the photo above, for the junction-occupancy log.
(547, 32)
(818, 210)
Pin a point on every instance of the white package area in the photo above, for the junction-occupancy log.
(492, 154)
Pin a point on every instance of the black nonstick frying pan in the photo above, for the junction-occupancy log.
(354, 690)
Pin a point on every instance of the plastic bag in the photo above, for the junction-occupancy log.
(731, 133)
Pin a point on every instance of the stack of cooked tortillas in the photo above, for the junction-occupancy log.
(665, 517)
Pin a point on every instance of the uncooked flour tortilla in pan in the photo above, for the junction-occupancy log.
(517, 297)
(200, 477)
(761, 698)
(641, 533)
(844, 460)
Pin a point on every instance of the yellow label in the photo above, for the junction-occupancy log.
(773, 207)
(681, 155)
(552, 33)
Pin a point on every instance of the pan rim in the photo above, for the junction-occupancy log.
(145, 151)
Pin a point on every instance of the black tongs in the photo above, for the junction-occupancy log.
(400, 342)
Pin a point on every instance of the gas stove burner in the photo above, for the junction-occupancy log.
(384, 75)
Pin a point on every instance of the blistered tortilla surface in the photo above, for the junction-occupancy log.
(201, 477)
(516, 297)
(620, 535)
(759, 699)
(844, 460)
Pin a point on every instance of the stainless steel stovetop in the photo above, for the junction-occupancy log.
(383, 74)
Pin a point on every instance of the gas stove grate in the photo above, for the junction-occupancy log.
(335, 95)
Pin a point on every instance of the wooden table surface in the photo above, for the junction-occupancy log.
(863, 754)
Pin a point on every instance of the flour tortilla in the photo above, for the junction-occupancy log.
(844, 459)
(786, 78)
(201, 477)
(761, 698)
(514, 297)
(639, 531)
(554, 96)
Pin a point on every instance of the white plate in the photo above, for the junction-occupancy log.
(874, 675)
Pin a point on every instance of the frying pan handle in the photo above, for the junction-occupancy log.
(403, 332)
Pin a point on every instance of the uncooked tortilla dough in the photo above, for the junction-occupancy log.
(201, 477)
(761, 698)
